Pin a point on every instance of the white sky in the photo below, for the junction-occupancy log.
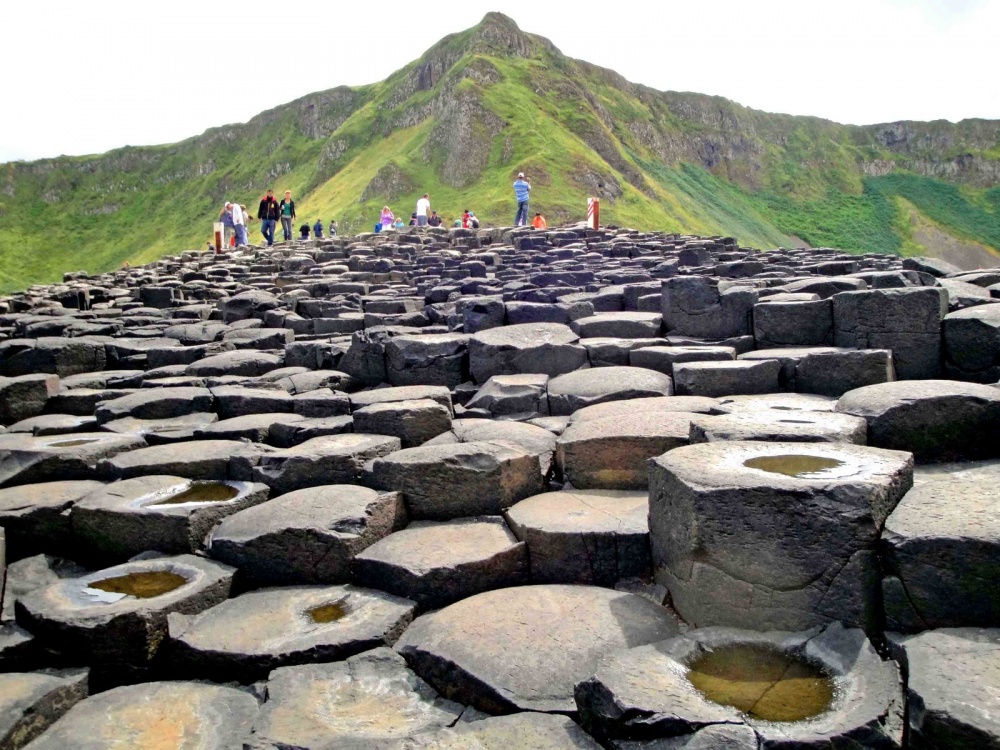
(85, 77)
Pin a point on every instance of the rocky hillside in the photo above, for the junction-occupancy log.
(483, 104)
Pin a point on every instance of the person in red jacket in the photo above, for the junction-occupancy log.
(539, 222)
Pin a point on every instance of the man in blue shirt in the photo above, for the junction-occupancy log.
(522, 188)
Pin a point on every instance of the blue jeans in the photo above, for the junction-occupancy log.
(241, 235)
(267, 229)
(522, 214)
(421, 221)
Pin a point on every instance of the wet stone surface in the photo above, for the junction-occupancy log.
(264, 464)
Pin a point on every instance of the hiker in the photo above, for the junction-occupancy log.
(228, 228)
(268, 213)
(387, 217)
(434, 220)
(465, 219)
(522, 190)
(423, 206)
(240, 225)
(287, 211)
(473, 220)
(333, 227)
(318, 229)
(539, 222)
(304, 232)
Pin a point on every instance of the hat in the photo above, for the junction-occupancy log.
(520, 174)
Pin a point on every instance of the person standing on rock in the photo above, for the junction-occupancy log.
(423, 207)
(268, 213)
(239, 225)
(287, 211)
(387, 218)
(228, 228)
(522, 191)
(318, 229)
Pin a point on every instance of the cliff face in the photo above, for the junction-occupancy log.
(478, 107)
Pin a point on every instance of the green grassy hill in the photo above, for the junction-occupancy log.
(480, 106)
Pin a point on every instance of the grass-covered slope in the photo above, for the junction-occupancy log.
(484, 104)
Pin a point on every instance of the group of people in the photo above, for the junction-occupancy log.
(424, 216)
(235, 219)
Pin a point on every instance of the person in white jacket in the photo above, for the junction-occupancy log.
(240, 224)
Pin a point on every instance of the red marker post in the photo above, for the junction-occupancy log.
(594, 213)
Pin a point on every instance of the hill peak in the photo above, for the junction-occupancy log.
(498, 33)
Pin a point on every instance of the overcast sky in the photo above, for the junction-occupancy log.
(85, 77)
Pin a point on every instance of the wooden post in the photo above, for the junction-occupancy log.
(594, 213)
(219, 234)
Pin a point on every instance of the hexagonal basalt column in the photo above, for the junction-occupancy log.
(246, 637)
(369, 698)
(119, 615)
(789, 690)
(525, 648)
(163, 513)
(773, 535)
(156, 715)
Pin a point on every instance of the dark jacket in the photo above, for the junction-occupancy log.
(269, 209)
(281, 209)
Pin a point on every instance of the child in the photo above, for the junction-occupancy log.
(318, 229)
(304, 232)
(473, 221)
(465, 219)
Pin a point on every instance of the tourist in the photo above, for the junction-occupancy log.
(522, 191)
(423, 206)
(304, 232)
(228, 228)
(434, 220)
(318, 229)
(413, 220)
(333, 227)
(268, 213)
(473, 220)
(240, 225)
(539, 222)
(287, 211)
(387, 217)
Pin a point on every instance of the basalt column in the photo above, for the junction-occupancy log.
(773, 536)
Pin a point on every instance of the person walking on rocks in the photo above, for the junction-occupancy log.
(333, 227)
(287, 211)
(268, 213)
(522, 191)
(423, 207)
(387, 218)
(240, 224)
(228, 228)
(318, 229)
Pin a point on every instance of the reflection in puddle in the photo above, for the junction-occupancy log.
(200, 492)
(144, 585)
(762, 682)
(794, 465)
(328, 612)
